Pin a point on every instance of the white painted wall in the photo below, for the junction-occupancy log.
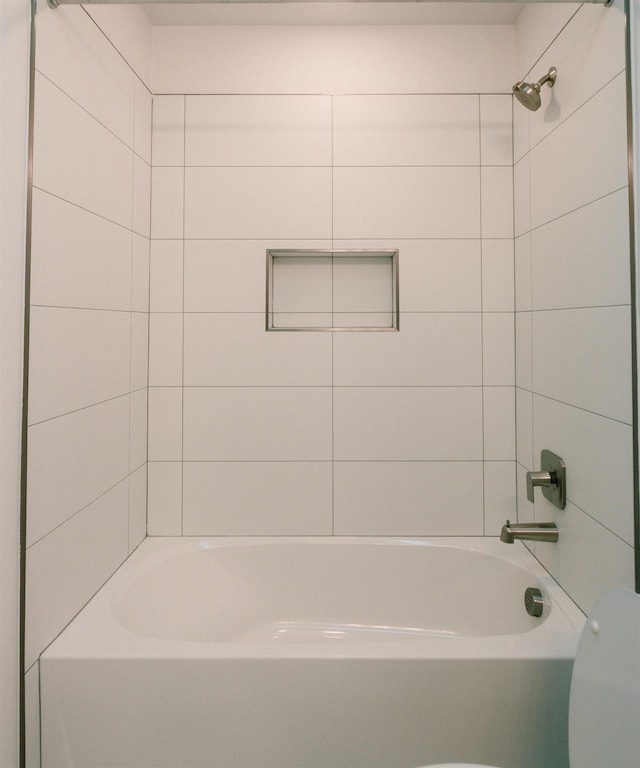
(14, 92)
(573, 292)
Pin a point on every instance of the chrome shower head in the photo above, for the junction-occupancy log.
(528, 94)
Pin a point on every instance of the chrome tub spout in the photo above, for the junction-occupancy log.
(528, 532)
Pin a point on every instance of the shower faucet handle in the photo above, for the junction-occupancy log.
(552, 478)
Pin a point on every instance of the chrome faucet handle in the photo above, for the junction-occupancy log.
(543, 478)
(552, 478)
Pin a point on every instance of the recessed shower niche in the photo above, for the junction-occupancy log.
(332, 290)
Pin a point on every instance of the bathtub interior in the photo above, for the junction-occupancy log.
(351, 590)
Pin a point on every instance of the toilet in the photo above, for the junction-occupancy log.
(604, 704)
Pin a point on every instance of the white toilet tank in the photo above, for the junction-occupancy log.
(604, 710)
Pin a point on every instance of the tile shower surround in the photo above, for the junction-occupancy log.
(319, 433)
(573, 372)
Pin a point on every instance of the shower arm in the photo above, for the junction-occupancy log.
(56, 3)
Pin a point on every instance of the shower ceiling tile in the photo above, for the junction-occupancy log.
(258, 130)
(405, 130)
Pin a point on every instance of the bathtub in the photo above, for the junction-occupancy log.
(313, 653)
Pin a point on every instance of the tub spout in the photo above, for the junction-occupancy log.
(528, 531)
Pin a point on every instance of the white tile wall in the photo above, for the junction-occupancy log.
(411, 498)
(258, 130)
(87, 451)
(262, 410)
(573, 346)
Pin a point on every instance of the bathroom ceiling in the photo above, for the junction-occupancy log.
(257, 12)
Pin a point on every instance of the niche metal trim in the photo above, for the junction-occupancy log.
(332, 256)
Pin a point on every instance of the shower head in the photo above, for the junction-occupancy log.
(528, 94)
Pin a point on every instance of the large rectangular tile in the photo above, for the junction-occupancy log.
(593, 448)
(407, 423)
(406, 202)
(582, 259)
(32, 717)
(138, 428)
(165, 349)
(258, 130)
(229, 275)
(497, 275)
(164, 517)
(497, 201)
(498, 349)
(73, 52)
(141, 221)
(430, 350)
(500, 502)
(561, 179)
(406, 130)
(139, 350)
(588, 53)
(496, 129)
(142, 121)
(258, 498)
(77, 358)
(587, 559)
(78, 259)
(583, 357)
(137, 507)
(234, 349)
(434, 275)
(522, 195)
(227, 203)
(72, 460)
(166, 276)
(524, 350)
(257, 423)
(524, 429)
(168, 130)
(140, 274)
(165, 424)
(413, 498)
(67, 567)
(499, 423)
(167, 203)
(72, 150)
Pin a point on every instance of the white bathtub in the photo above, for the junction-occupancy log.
(313, 653)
